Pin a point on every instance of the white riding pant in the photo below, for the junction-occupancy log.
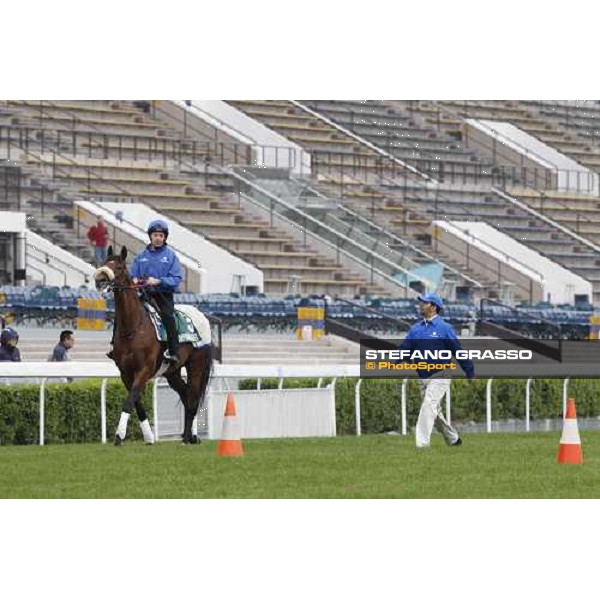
(433, 391)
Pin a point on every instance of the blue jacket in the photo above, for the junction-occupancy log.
(161, 263)
(435, 334)
(59, 353)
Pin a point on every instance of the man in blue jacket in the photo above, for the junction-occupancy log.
(160, 268)
(433, 333)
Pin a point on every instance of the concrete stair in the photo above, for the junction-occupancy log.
(238, 349)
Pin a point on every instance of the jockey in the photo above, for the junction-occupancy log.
(160, 268)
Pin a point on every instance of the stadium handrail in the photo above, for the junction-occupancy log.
(507, 257)
(334, 204)
(548, 220)
(307, 217)
(516, 310)
(374, 311)
(364, 142)
(31, 257)
(223, 126)
(396, 238)
(56, 259)
(443, 110)
(424, 154)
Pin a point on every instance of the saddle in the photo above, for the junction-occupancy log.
(186, 330)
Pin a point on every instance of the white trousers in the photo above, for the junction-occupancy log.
(430, 415)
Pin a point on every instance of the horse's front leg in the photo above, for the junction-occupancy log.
(133, 400)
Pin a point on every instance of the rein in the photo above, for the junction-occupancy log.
(134, 286)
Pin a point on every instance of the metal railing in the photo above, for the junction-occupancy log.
(383, 233)
(578, 180)
(10, 186)
(466, 260)
(541, 328)
(311, 227)
(48, 264)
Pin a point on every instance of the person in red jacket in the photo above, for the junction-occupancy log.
(98, 236)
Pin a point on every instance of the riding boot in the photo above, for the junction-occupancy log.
(172, 354)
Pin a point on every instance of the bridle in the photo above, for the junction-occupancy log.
(110, 285)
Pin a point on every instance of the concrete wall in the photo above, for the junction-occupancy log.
(487, 142)
(13, 222)
(270, 148)
(58, 266)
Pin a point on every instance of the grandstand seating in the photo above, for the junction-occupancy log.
(47, 305)
(112, 151)
(394, 131)
(124, 151)
(329, 147)
(407, 207)
(579, 119)
(544, 120)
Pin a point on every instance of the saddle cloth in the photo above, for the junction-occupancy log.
(186, 328)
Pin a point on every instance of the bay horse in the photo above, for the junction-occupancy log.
(139, 354)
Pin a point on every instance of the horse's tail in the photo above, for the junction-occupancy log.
(206, 372)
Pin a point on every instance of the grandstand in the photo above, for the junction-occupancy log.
(357, 214)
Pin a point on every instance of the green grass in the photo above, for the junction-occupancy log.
(376, 466)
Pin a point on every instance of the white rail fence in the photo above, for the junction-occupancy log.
(263, 413)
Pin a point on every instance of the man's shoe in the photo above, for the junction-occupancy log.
(458, 442)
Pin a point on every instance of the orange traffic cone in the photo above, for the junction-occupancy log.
(230, 443)
(569, 450)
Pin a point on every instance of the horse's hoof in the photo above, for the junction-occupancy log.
(118, 440)
(194, 440)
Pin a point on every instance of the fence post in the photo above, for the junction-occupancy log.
(332, 386)
(527, 401)
(357, 406)
(488, 405)
(103, 410)
(403, 405)
(42, 403)
(155, 407)
(565, 391)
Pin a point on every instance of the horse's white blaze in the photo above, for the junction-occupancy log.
(122, 428)
(198, 319)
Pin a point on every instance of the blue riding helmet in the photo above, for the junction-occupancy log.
(433, 298)
(160, 226)
(8, 334)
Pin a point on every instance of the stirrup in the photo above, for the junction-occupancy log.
(173, 358)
